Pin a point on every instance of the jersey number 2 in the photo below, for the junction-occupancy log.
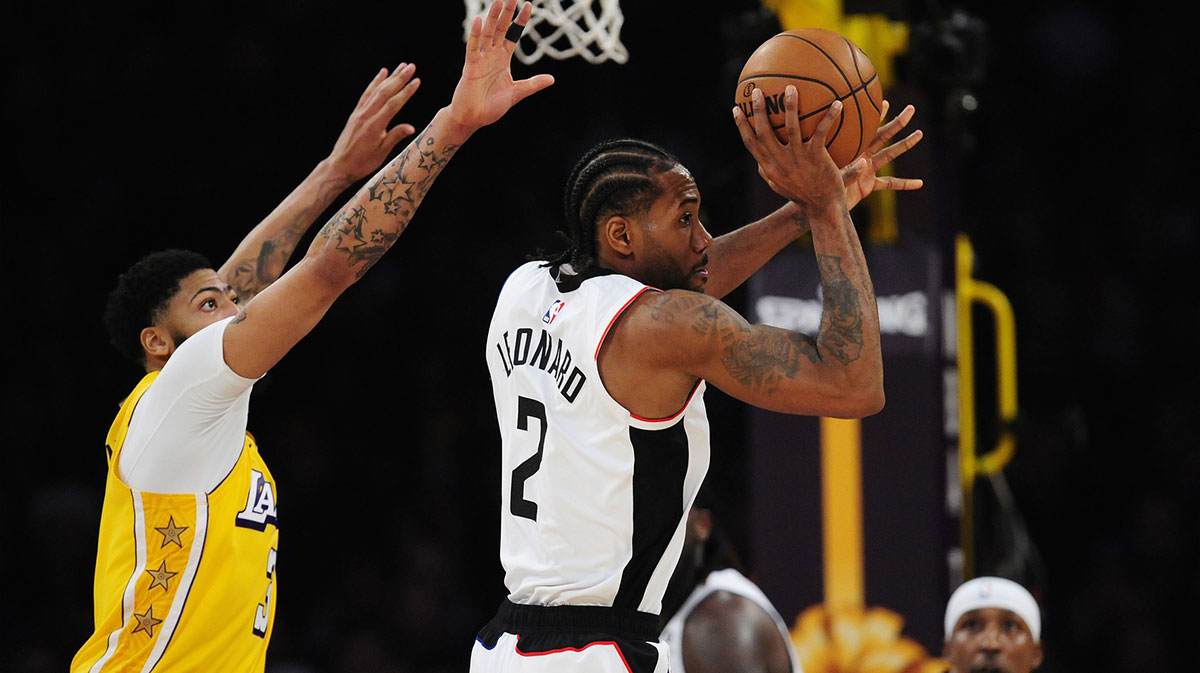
(527, 408)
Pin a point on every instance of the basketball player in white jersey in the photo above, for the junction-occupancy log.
(599, 358)
(186, 568)
(715, 618)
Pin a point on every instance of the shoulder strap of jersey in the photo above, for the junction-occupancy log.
(120, 424)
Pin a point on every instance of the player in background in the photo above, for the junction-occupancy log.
(185, 570)
(993, 625)
(599, 358)
(715, 618)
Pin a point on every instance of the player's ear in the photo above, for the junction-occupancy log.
(156, 342)
(1037, 655)
(618, 233)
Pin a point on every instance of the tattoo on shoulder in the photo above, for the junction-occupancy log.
(239, 317)
(757, 358)
(765, 356)
(760, 357)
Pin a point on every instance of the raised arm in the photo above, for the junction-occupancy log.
(670, 339)
(375, 217)
(365, 142)
(735, 256)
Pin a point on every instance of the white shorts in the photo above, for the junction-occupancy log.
(569, 639)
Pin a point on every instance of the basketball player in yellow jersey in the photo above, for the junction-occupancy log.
(185, 570)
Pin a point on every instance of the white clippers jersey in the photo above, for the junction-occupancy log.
(594, 498)
(735, 583)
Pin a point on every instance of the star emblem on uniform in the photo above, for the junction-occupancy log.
(161, 577)
(171, 533)
(146, 622)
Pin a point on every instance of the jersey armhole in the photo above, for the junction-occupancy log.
(618, 314)
(639, 421)
(656, 423)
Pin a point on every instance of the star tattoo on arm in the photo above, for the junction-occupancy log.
(392, 191)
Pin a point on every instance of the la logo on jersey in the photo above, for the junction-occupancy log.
(552, 312)
(260, 504)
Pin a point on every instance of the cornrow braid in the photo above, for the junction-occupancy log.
(616, 177)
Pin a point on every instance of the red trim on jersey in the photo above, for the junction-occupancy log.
(676, 414)
(617, 315)
(576, 649)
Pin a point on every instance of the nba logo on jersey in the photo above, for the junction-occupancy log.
(260, 504)
(552, 312)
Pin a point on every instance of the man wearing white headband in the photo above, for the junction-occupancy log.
(992, 626)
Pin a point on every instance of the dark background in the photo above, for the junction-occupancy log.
(134, 128)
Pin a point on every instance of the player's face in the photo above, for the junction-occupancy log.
(203, 299)
(992, 640)
(674, 240)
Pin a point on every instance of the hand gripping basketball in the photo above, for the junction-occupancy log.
(800, 170)
(823, 66)
(486, 90)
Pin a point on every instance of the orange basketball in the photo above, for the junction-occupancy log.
(824, 66)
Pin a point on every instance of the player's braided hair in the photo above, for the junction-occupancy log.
(616, 177)
(142, 292)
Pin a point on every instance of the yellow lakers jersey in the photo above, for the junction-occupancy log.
(184, 581)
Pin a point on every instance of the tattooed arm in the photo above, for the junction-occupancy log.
(665, 341)
(735, 256)
(362, 146)
(375, 217)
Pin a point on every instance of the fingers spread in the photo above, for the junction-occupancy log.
(899, 184)
(382, 99)
(886, 132)
(743, 126)
(513, 34)
(379, 77)
(527, 87)
(474, 39)
(503, 19)
(892, 151)
(791, 104)
(762, 125)
(488, 37)
(826, 123)
(397, 101)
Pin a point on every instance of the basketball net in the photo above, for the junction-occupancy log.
(561, 29)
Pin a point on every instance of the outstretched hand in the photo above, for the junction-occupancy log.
(861, 176)
(486, 90)
(366, 141)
